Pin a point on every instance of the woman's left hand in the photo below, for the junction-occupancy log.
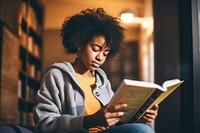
(150, 114)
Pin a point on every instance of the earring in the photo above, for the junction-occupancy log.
(78, 54)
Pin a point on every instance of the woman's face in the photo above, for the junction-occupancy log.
(94, 54)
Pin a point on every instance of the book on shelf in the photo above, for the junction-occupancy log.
(19, 88)
(141, 96)
(32, 19)
(30, 44)
(29, 119)
(23, 39)
(30, 93)
(31, 70)
(36, 50)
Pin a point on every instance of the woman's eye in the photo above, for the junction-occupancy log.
(95, 49)
(105, 54)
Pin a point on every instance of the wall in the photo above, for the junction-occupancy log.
(56, 11)
(167, 62)
(53, 51)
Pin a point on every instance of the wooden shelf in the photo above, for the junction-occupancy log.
(30, 58)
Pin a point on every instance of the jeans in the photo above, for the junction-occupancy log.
(130, 128)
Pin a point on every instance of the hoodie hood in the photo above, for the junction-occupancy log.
(67, 68)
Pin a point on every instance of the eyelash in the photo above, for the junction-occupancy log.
(95, 50)
(98, 50)
(105, 55)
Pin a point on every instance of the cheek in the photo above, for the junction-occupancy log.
(103, 60)
(91, 54)
(88, 56)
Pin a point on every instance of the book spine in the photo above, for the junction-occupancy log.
(145, 106)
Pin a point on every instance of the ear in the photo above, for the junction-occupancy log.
(79, 47)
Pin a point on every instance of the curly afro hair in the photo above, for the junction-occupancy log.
(82, 27)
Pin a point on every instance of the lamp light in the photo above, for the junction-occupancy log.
(127, 16)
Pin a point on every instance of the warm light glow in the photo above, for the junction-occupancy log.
(145, 24)
(127, 17)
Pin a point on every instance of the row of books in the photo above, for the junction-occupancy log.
(29, 32)
(25, 118)
(29, 43)
(26, 91)
(33, 47)
(33, 72)
(30, 94)
(33, 20)
(20, 88)
(28, 14)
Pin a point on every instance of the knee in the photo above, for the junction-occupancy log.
(143, 128)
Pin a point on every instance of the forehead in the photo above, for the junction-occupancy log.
(99, 40)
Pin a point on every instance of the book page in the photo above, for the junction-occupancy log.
(172, 82)
(172, 86)
(134, 96)
(144, 84)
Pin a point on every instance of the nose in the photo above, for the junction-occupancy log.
(100, 56)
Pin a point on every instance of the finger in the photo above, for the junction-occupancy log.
(152, 112)
(147, 119)
(117, 107)
(112, 121)
(120, 106)
(150, 116)
(155, 107)
(115, 114)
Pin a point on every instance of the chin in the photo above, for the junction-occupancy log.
(93, 68)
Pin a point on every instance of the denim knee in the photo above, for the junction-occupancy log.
(130, 128)
(141, 128)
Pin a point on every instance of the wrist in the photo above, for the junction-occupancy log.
(88, 122)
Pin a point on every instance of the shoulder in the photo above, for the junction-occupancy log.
(58, 71)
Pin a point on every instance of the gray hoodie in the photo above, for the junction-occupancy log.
(61, 101)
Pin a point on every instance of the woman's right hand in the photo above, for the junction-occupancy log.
(107, 116)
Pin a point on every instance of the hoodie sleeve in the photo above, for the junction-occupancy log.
(48, 113)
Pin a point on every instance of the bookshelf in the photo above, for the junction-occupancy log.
(8, 75)
(30, 28)
(123, 65)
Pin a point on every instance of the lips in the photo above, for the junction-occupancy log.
(95, 64)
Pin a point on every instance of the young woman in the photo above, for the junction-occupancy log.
(73, 96)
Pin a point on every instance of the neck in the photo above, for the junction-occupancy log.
(78, 67)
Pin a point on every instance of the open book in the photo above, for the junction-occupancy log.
(140, 96)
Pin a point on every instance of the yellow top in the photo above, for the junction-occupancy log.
(92, 104)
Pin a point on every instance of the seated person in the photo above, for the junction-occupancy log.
(73, 96)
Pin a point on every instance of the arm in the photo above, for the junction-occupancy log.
(50, 114)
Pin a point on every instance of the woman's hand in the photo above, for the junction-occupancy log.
(150, 114)
(107, 116)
